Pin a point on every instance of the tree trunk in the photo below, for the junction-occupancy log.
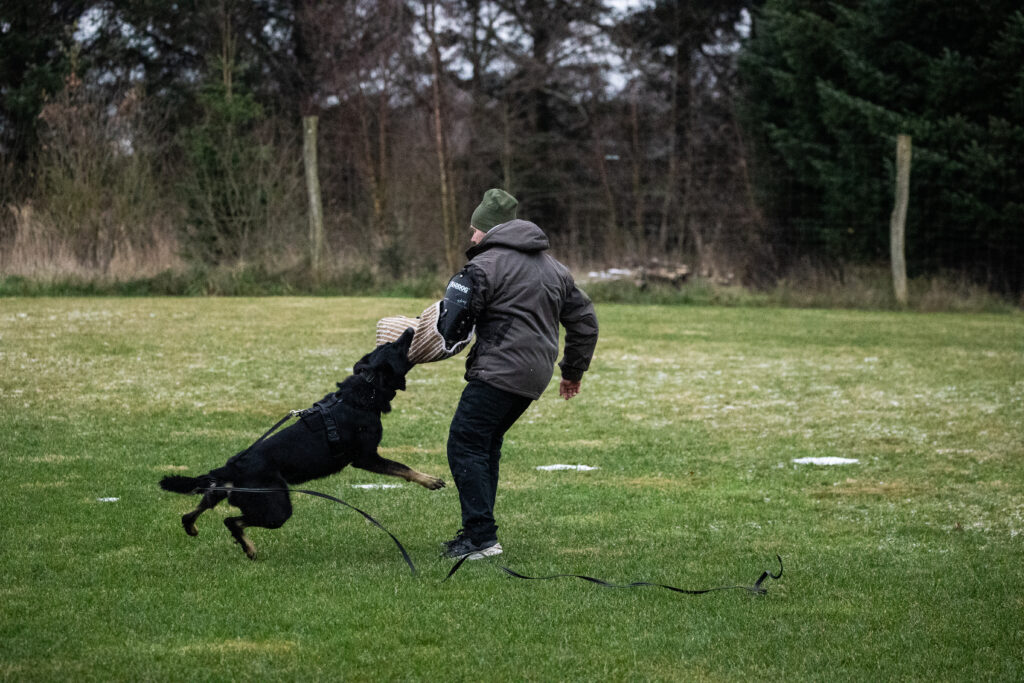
(672, 177)
(383, 184)
(638, 195)
(451, 238)
(227, 49)
(686, 207)
(613, 236)
(368, 167)
(506, 147)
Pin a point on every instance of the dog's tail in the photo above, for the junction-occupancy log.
(186, 485)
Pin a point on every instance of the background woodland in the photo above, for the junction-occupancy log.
(749, 139)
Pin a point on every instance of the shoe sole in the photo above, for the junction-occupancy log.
(486, 552)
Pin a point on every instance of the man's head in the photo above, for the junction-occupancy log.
(495, 208)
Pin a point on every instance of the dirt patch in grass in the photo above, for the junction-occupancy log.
(568, 550)
(589, 443)
(242, 645)
(654, 482)
(53, 458)
(862, 487)
(209, 432)
(518, 484)
(58, 484)
(390, 451)
(121, 553)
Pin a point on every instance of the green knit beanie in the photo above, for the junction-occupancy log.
(496, 208)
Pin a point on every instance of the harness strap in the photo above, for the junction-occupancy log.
(332, 427)
(323, 407)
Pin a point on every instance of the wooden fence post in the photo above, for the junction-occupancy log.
(898, 221)
(316, 214)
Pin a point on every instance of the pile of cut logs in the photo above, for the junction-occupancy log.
(653, 272)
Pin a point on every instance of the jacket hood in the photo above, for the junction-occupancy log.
(516, 234)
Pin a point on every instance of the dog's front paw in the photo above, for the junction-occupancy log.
(189, 522)
(433, 483)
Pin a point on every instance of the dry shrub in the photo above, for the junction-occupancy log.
(33, 250)
(101, 212)
(242, 184)
(37, 250)
(808, 284)
(871, 288)
(955, 293)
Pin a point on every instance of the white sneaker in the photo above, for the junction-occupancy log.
(462, 546)
(489, 551)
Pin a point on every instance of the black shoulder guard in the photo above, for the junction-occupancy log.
(456, 320)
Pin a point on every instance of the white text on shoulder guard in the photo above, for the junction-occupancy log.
(456, 317)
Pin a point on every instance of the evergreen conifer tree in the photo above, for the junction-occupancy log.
(830, 86)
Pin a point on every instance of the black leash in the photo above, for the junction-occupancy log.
(290, 415)
(370, 519)
(757, 589)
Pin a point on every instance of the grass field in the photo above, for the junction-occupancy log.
(905, 565)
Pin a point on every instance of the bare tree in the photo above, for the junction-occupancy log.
(444, 164)
(358, 50)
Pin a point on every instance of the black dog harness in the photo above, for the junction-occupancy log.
(323, 407)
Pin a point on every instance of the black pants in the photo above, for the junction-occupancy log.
(484, 414)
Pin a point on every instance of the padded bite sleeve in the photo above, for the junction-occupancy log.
(458, 309)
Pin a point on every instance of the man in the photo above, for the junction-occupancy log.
(516, 294)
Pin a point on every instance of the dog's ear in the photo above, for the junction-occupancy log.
(396, 360)
(404, 342)
(399, 360)
(363, 364)
(387, 359)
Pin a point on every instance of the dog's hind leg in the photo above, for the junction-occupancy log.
(209, 500)
(237, 528)
(376, 463)
(268, 509)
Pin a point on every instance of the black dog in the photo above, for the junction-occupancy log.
(342, 428)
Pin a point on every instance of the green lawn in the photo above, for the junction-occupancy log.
(905, 565)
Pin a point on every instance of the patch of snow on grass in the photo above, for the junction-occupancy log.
(827, 460)
(551, 468)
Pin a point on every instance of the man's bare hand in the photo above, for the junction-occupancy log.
(567, 389)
